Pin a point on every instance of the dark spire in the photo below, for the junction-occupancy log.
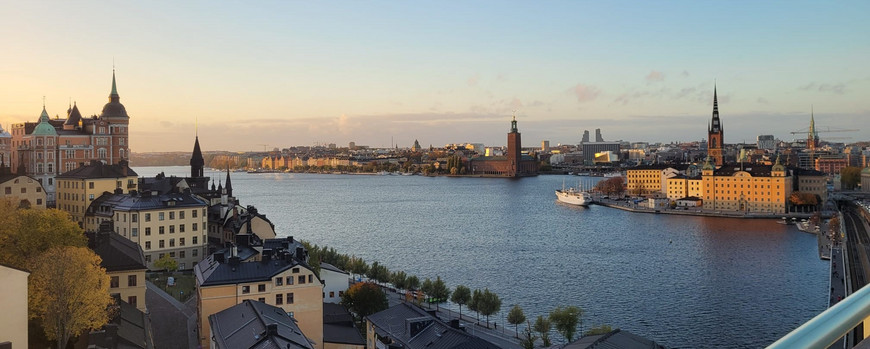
(114, 93)
(196, 161)
(716, 124)
(229, 183)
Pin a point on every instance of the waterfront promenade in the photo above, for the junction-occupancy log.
(699, 211)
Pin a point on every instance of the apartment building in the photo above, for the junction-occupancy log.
(77, 188)
(124, 262)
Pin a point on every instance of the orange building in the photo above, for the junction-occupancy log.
(750, 189)
(48, 147)
(513, 164)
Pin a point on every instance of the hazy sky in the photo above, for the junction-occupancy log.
(298, 73)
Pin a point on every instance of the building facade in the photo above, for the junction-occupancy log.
(48, 147)
(21, 190)
(13, 323)
(512, 164)
(754, 189)
(124, 262)
(77, 188)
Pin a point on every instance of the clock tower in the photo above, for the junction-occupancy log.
(715, 136)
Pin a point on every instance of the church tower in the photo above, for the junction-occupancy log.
(714, 134)
(812, 135)
(514, 149)
(197, 163)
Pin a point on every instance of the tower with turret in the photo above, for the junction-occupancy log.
(715, 136)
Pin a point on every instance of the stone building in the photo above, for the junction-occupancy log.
(715, 134)
(512, 164)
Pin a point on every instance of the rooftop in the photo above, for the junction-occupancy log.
(118, 253)
(98, 169)
(253, 324)
(412, 327)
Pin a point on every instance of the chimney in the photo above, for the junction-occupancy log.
(267, 254)
(218, 257)
(124, 167)
(272, 329)
(300, 253)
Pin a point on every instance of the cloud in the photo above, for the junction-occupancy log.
(472, 81)
(837, 88)
(762, 100)
(685, 73)
(536, 103)
(655, 76)
(584, 93)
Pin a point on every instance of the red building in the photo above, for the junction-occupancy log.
(513, 164)
(715, 134)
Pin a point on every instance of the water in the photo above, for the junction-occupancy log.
(685, 282)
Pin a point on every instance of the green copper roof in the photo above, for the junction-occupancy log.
(114, 88)
(707, 164)
(778, 165)
(44, 128)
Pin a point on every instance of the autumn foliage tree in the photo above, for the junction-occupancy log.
(614, 186)
(69, 292)
(26, 233)
(364, 299)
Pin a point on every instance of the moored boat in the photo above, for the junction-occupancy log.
(573, 196)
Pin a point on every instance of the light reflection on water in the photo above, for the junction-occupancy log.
(681, 281)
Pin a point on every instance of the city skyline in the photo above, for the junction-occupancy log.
(284, 74)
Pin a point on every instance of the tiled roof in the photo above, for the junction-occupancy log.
(338, 326)
(246, 325)
(617, 339)
(118, 253)
(100, 170)
(434, 333)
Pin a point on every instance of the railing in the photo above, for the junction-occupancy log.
(824, 329)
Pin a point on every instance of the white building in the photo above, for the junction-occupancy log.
(335, 282)
(13, 323)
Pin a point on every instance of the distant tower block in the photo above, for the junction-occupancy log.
(598, 137)
(715, 136)
(585, 136)
(545, 146)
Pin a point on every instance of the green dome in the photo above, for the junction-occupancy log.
(44, 128)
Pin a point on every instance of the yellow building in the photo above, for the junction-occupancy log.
(22, 190)
(76, 189)
(644, 180)
(171, 224)
(751, 188)
(680, 187)
(124, 262)
(282, 279)
(13, 323)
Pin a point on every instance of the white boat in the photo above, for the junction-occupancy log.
(573, 196)
(613, 174)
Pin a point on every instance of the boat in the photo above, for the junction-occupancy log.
(573, 196)
(613, 174)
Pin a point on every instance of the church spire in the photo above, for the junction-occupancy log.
(196, 161)
(229, 185)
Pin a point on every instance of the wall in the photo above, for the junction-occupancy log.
(13, 323)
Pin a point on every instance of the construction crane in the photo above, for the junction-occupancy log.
(264, 147)
(828, 130)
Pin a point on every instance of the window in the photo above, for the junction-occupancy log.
(194, 252)
(193, 212)
(147, 258)
(147, 245)
(147, 217)
(180, 254)
(301, 279)
(9, 192)
(172, 215)
(290, 280)
(131, 280)
(181, 228)
(279, 299)
(181, 242)
(134, 218)
(310, 276)
(131, 300)
(194, 240)
(279, 281)
(246, 289)
(340, 293)
(172, 229)
(91, 197)
(180, 214)
(160, 216)
(171, 243)
(160, 243)
(162, 230)
(114, 282)
(148, 231)
(262, 299)
(194, 227)
(261, 288)
(172, 254)
(331, 294)
(295, 270)
(290, 298)
(161, 255)
(134, 231)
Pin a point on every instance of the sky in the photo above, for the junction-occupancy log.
(254, 75)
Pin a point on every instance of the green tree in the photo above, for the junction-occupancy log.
(426, 288)
(516, 317)
(461, 296)
(364, 299)
(358, 266)
(566, 321)
(69, 292)
(528, 340)
(166, 263)
(603, 329)
(474, 304)
(543, 326)
(399, 279)
(379, 273)
(439, 292)
(27, 233)
(413, 283)
(850, 177)
(489, 304)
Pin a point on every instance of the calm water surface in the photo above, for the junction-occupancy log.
(684, 282)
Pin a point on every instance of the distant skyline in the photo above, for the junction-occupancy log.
(281, 74)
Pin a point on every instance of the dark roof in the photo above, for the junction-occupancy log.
(246, 325)
(327, 266)
(807, 172)
(431, 332)
(100, 170)
(118, 253)
(131, 328)
(211, 271)
(143, 201)
(756, 170)
(616, 339)
(74, 116)
(159, 183)
(338, 326)
(678, 167)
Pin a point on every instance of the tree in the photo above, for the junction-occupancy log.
(473, 305)
(27, 233)
(364, 299)
(603, 329)
(69, 292)
(489, 304)
(358, 266)
(566, 320)
(440, 291)
(166, 263)
(461, 296)
(516, 317)
(399, 279)
(528, 340)
(413, 283)
(378, 272)
(426, 288)
(850, 177)
(612, 186)
(543, 326)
